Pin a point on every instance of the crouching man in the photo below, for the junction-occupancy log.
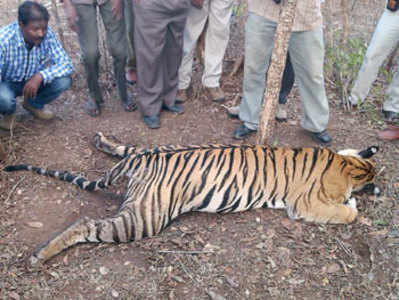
(33, 64)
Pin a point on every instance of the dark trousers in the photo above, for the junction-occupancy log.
(158, 42)
(287, 81)
(116, 43)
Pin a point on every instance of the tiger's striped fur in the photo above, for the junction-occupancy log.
(165, 182)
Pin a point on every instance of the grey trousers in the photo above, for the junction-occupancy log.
(385, 38)
(306, 49)
(116, 43)
(129, 21)
(158, 40)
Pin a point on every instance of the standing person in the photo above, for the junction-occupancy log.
(33, 64)
(287, 82)
(218, 14)
(82, 18)
(306, 50)
(385, 39)
(131, 74)
(158, 40)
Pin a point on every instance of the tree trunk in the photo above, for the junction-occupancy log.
(3, 154)
(275, 73)
(58, 22)
(345, 21)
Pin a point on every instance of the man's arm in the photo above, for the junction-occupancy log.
(60, 63)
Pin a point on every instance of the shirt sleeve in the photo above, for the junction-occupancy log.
(60, 62)
(1, 61)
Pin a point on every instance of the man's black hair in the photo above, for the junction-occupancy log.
(30, 11)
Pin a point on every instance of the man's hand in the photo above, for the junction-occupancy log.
(72, 17)
(117, 6)
(197, 3)
(32, 86)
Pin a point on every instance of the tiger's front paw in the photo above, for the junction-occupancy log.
(352, 203)
(98, 139)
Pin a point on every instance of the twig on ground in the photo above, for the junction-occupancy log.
(12, 190)
(185, 252)
(343, 247)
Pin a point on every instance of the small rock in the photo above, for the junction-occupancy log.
(103, 271)
(260, 245)
(114, 293)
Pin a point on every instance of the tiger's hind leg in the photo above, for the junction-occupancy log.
(118, 229)
(107, 146)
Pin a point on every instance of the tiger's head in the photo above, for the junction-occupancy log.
(362, 169)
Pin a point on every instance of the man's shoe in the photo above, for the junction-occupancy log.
(321, 137)
(281, 113)
(215, 93)
(390, 116)
(6, 122)
(152, 122)
(242, 132)
(178, 109)
(183, 95)
(130, 104)
(233, 111)
(43, 114)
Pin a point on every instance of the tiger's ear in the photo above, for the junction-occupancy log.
(369, 152)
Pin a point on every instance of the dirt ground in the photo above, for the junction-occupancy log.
(259, 254)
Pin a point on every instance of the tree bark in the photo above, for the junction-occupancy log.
(345, 21)
(3, 153)
(275, 72)
(58, 22)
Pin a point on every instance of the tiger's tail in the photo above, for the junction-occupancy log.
(78, 180)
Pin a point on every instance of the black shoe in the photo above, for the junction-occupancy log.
(178, 109)
(390, 115)
(321, 137)
(152, 122)
(242, 132)
(129, 105)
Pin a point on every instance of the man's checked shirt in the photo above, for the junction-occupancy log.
(18, 64)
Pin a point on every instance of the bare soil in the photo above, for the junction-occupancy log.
(259, 254)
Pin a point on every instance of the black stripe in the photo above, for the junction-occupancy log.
(115, 233)
(99, 227)
(313, 164)
(125, 226)
(207, 198)
(226, 197)
(188, 175)
(294, 157)
(305, 160)
(172, 173)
